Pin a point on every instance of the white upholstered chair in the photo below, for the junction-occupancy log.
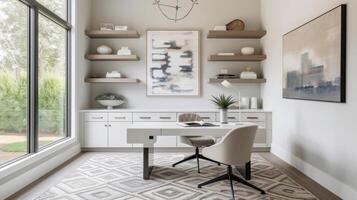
(195, 141)
(234, 149)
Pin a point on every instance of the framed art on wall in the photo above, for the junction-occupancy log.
(173, 63)
(314, 59)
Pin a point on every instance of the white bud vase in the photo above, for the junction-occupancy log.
(223, 116)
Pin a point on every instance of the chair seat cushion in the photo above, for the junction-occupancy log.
(201, 141)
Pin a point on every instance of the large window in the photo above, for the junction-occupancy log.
(34, 76)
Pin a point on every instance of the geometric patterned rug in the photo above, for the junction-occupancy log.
(118, 176)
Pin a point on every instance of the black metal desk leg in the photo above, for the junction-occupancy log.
(147, 169)
(245, 171)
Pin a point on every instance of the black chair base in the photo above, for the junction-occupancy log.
(197, 156)
(231, 177)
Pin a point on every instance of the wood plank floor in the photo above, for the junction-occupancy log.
(315, 188)
(36, 188)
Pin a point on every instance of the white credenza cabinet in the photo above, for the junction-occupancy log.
(107, 128)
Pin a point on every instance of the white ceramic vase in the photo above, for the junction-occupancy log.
(104, 50)
(244, 104)
(248, 51)
(223, 116)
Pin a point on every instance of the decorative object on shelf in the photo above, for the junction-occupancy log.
(244, 103)
(226, 54)
(124, 51)
(110, 100)
(175, 11)
(106, 27)
(236, 25)
(113, 74)
(220, 28)
(104, 50)
(226, 76)
(120, 28)
(248, 74)
(247, 51)
(253, 103)
(223, 102)
(173, 67)
(314, 59)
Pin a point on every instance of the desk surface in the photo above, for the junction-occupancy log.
(175, 126)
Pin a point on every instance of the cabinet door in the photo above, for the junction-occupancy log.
(95, 134)
(117, 134)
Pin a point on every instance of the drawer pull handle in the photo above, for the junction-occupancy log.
(252, 118)
(119, 117)
(165, 117)
(97, 117)
(205, 118)
(231, 118)
(145, 117)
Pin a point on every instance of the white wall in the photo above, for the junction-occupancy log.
(318, 138)
(142, 15)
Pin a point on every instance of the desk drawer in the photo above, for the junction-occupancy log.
(154, 117)
(96, 117)
(120, 117)
(253, 117)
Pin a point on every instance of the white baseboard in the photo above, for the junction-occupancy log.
(340, 189)
(22, 180)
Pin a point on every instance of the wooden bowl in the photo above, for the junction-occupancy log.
(236, 25)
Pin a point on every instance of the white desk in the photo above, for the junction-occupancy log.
(146, 134)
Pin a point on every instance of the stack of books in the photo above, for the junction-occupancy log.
(226, 76)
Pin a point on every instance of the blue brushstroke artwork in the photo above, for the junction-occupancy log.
(173, 63)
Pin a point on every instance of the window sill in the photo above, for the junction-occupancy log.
(22, 165)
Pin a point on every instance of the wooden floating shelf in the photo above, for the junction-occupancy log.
(112, 34)
(246, 81)
(236, 34)
(238, 58)
(97, 57)
(111, 80)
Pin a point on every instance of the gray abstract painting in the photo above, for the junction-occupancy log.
(314, 59)
(173, 63)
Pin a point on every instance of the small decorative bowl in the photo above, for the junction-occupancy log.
(104, 50)
(110, 104)
(110, 100)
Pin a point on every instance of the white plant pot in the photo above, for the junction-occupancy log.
(104, 50)
(223, 116)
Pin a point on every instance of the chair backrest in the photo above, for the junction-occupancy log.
(188, 117)
(235, 147)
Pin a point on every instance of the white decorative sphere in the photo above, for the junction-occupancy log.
(248, 50)
(104, 49)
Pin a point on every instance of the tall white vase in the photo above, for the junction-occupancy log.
(224, 116)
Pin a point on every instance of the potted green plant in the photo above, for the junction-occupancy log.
(223, 102)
